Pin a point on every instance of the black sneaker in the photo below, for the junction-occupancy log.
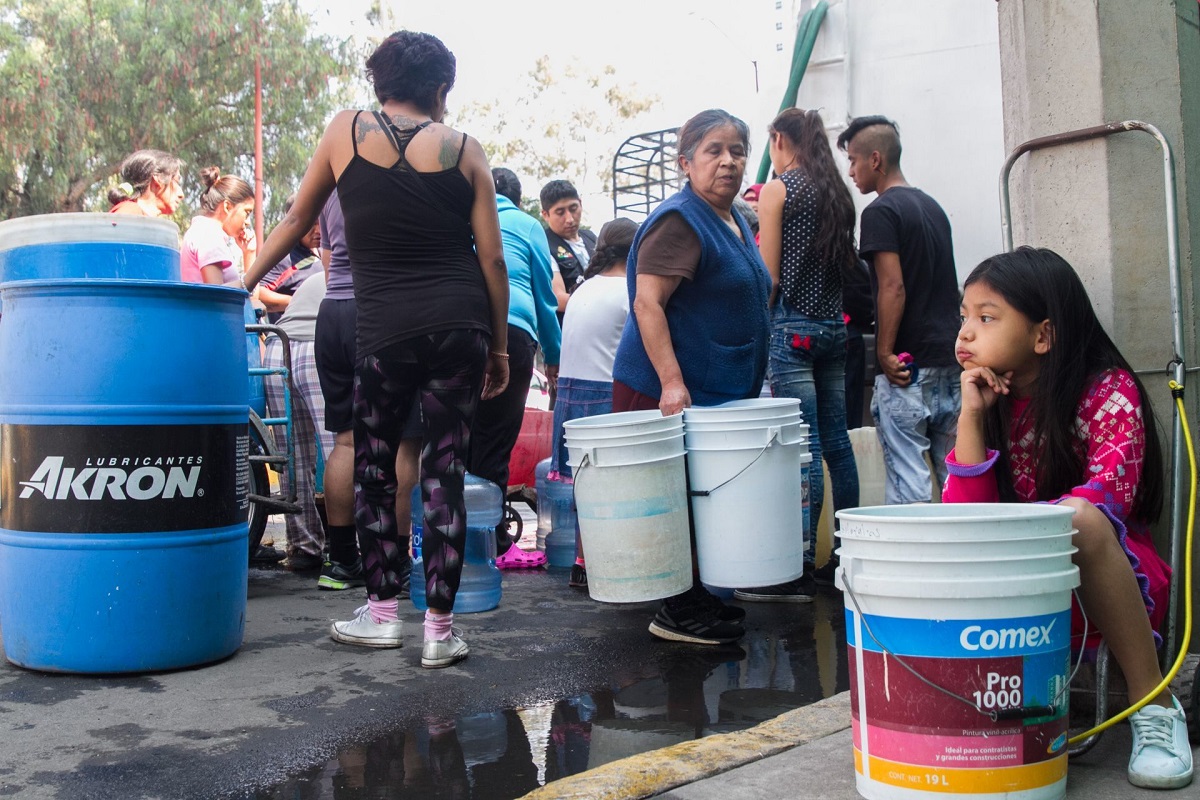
(695, 623)
(338, 577)
(266, 556)
(801, 590)
(824, 574)
(303, 562)
(578, 576)
(724, 611)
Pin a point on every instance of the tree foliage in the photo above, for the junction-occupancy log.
(86, 82)
(565, 122)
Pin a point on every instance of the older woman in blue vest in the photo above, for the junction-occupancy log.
(699, 328)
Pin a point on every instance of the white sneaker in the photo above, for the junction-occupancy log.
(366, 632)
(1162, 755)
(439, 653)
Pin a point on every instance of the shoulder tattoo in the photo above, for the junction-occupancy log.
(448, 152)
(366, 124)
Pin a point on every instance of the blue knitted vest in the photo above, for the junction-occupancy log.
(719, 322)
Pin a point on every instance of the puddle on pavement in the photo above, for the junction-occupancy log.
(797, 660)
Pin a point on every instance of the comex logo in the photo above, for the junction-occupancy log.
(976, 637)
(56, 482)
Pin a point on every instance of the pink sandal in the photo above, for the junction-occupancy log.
(516, 558)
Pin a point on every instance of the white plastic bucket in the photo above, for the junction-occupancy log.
(977, 599)
(959, 522)
(636, 449)
(623, 424)
(791, 419)
(746, 484)
(736, 410)
(872, 473)
(958, 549)
(741, 438)
(631, 501)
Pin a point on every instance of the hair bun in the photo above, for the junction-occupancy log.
(209, 176)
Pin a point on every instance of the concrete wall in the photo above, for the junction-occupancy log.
(934, 67)
(1070, 65)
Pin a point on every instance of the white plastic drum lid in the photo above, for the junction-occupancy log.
(67, 228)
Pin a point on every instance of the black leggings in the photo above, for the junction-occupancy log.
(498, 420)
(444, 371)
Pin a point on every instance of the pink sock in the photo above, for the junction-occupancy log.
(383, 610)
(579, 562)
(437, 626)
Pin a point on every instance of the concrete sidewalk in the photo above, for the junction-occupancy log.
(291, 699)
(808, 754)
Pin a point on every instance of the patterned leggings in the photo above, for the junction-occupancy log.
(444, 372)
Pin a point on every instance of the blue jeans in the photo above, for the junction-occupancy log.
(808, 362)
(577, 398)
(914, 420)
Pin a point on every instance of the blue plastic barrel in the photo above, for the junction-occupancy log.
(479, 587)
(123, 508)
(560, 543)
(88, 246)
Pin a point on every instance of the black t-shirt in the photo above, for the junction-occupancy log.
(910, 223)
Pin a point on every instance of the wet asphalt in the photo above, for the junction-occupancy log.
(555, 684)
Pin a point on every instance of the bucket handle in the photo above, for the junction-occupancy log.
(799, 438)
(995, 715)
(775, 436)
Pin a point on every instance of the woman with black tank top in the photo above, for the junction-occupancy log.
(431, 290)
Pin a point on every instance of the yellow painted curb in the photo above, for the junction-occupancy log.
(659, 771)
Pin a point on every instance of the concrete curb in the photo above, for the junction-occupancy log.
(649, 774)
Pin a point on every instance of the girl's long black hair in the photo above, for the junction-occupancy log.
(1042, 285)
(805, 132)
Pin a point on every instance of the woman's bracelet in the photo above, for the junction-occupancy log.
(498, 355)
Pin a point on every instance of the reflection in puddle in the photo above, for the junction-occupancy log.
(795, 659)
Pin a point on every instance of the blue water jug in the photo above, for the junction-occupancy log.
(560, 544)
(479, 586)
(418, 521)
(543, 509)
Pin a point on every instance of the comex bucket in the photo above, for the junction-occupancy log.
(976, 599)
(745, 473)
(631, 501)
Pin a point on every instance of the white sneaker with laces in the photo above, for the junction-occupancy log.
(1162, 755)
(366, 632)
(438, 653)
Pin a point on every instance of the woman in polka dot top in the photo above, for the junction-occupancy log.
(807, 240)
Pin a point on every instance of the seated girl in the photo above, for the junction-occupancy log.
(1052, 412)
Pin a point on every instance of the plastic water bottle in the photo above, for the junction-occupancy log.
(543, 510)
(479, 586)
(417, 515)
(560, 543)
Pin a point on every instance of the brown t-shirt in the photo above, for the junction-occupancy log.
(669, 248)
